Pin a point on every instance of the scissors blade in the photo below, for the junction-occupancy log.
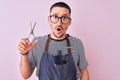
(32, 29)
(34, 26)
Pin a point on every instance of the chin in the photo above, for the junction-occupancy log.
(58, 35)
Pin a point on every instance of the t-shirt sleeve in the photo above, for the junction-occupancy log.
(82, 62)
(32, 53)
(32, 59)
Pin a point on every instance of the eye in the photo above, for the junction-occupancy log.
(55, 17)
(64, 17)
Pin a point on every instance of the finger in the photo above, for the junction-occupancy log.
(23, 51)
(35, 43)
(22, 45)
(27, 48)
(24, 42)
(27, 41)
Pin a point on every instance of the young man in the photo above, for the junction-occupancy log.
(57, 56)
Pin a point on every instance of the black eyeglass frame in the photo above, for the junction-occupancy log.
(59, 18)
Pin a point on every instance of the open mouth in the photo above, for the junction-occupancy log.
(58, 29)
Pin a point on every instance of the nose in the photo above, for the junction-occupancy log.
(59, 22)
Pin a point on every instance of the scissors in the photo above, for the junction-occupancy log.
(32, 29)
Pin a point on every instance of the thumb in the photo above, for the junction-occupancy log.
(35, 43)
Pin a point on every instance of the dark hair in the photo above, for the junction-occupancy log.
(61, 4)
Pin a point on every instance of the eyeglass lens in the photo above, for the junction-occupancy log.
(63, 19)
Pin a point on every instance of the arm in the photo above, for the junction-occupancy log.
(25, 68)
(84, 74)
(25, 47)
(82, 62)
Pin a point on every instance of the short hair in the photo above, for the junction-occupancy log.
(61, 4)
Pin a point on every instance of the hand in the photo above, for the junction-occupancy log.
(25, 46)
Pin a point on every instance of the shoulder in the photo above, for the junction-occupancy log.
(75, 40)
(41, 38)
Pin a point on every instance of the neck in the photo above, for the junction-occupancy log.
(58, 38)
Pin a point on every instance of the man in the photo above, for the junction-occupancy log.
(57, 56)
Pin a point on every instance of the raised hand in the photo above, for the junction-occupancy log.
(25, 46)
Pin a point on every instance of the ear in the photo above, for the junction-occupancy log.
(49, 19)
(70, 21)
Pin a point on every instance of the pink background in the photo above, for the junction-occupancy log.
(95, 22)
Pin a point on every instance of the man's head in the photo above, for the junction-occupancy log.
(59, 19)
(61, 4)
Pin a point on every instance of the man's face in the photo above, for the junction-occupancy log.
(59, 28)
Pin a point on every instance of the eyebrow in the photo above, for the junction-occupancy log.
(61, 15)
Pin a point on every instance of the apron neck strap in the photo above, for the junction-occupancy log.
(68, 44)
(47, 43)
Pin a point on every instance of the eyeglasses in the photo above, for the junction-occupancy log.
(63, 19)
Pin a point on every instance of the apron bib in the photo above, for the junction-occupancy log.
(60, 67)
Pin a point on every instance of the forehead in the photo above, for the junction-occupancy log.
(59, 11)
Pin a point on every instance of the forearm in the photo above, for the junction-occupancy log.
(25, 67)
(84, 74)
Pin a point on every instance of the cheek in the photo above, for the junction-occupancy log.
(66, 27)
(52, 26)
